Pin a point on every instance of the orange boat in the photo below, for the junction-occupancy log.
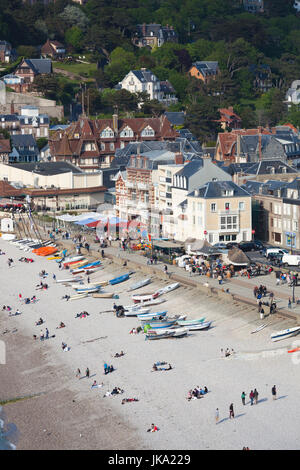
(294, 350)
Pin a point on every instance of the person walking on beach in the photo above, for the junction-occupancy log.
(54, 277)
(78, 373)
(231, 411)
(289, 303)
(20, 297)
(47, 333)
(255, 394)
(251, 396)
(243, 397)
(217, 414)
(274, 392)
(87, 373)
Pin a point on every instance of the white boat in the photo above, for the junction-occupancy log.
(200, 326)
(71, 259)
(259, 328)
(138, 285)
(139, 298)
(88, 290)
(131, 312)
(166, 289)
(78, 296)
(166, 333)
(85, 286)
(191, 322)
(285, 333)
(73, 279)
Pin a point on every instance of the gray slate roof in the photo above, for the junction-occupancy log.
(215, 190)
(40, 65)
(48, 168)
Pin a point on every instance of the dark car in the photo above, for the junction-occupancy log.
(259, 245)
(247, 246)
(230, 245)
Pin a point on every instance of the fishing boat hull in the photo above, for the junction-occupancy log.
(69, 280)
(104, 295)
(201, 326)
(158, 325)
(146, 317)
(88, 291)
(188, 323)
(78, 296)
(144, 297)
(140, 284)
(119, 279)
(279, 335)
(166, 289)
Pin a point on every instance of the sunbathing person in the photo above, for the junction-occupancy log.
(39, 322)
(61, 325)
(119, 355)
(127, 400)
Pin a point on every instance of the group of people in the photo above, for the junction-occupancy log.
(26, 260)
(108, 369)
(253, 396)
(198, 392)
(227, 352)
(115, 391)
(156, 367)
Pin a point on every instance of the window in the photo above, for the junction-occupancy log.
(106, 133)
(102, 146)
(126, 132)
(241, 206)
(227, 206)
(199, 206)
(213, 207)
(148, 132)
(228, 222)
(112, 146)
(200, 221)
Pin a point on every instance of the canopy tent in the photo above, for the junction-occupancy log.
(87, 221)
(201, 247)
(108, 220)
(167, 245)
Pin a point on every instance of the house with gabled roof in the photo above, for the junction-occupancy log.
(143, 80)
(28, 69)
(54, 49)
(153, 35)
(205, 70)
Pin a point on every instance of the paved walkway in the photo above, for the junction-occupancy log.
(241, 287)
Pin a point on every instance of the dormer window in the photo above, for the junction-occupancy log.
(126, 132)
(107, 133)
(151, 33)
(148, 132)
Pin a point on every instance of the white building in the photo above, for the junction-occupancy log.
(293, 94)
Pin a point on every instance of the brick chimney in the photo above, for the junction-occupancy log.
(115, 118)
(144, 29)
(178, 158)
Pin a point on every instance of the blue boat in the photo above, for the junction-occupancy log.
(157, 324)
(151, 316)
(119, 279)
(91, 265)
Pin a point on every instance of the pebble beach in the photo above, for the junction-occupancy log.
(61, 411)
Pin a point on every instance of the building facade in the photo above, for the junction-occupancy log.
(153, 35)
(204, 70)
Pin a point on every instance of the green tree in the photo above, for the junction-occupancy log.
(75, 38)
(41, 142)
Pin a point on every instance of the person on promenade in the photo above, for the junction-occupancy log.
(166, 269)
(47, 333)
(251, 396)
(54, 277)
(289, 303)
(217, 414)
(274, 392)
(231, 411)
(255, 394)
(243, 397)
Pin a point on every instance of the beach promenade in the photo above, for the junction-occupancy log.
(64, 411)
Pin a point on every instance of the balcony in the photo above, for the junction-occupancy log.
(143, 186)
(130, 185)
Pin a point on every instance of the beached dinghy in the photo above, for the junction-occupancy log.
(190, 322)
(166, 333)
(73, 279)
(259, 328)
(151, 316)
(135, 312)
(138, 285)
(104, 295)
(148, 303)
(78, 296)
(119, 279)
(85, 286)
(141, 298)
(166, 289)
(285, 333)
(88, 290)
(72, 259)
(160, 324)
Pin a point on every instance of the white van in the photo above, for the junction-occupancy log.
(290, 260)
(269, 251)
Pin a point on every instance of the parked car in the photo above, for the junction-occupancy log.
(259, 245)
(291, 260)
(247, 246)
(282, 251)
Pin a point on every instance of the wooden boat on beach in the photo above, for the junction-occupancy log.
(138, 285)
(74, 279)
(191, 322)
(205, 325)
(166, 333)
(151, 316)
(119, 279)
(285, 333)
(78, 296)
(135, 312)
(104, 295)
(141, 298)
(166, 289)
(88, 290)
